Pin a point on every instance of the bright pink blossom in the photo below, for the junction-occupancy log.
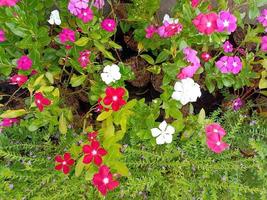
(67, 35)
(104, 181)
(264, 43)
(195, 3)
(75, 6)
(64, 163)
(226, 22)
(92, 136)
(24, 63)
(223, 64)
(94, 153)
(227, 47)
(263, 17)
(2, 36)
(206, 23)
(214, 128)
(150, 31)
(41, 101)
(7, 122)
(84, 58)
(235, 64)
(86, 15)
(99, 4)
(168, 30)
(108, 25)
(114, 97)
(18, 79)
(8, 2)
(205, 56)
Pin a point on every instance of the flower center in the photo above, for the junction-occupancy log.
(105, 180)
(226, 23)
(265, 17)
(109, 24)
(234, 64)
(228, 46)
(38, 101)
(115, 98)
(64, 163)
(94, 152)
(85, 14)
(215, 130)
(208, 24)
(218, 143)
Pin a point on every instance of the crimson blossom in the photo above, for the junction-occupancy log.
(206, 23)
(64, 163)
(41, 101)
(93, 152)
(114, 97)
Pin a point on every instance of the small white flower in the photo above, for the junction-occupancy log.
(163, 133)
(186, 91)
(111, 73)
(54, 18)
(170, 20)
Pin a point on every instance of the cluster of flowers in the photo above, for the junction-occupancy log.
(169, 28)
(8, 3)
(214, 136)
(93, 153)
(263, 20)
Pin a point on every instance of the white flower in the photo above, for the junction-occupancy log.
(170, 20)
(54, 18)
(111, 73)
(186, 91)
(163, 133)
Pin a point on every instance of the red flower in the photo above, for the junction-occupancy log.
(41, 101)
(114, 97)
(18, 79)
(206, 23)
(64, 163)
(205, 56)
(103, 180)
(93, 152)
(92, 135)
(100, 107)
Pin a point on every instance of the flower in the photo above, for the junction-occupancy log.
(24, 63)
(150, 31)
(226, 22)
(235, 64)
(186, 91)
(64, 163)
(191, 56)
(227, 47)
(167, 19)
(111, 73)
(54, 18)
(214, 128)
(263, 17)
(67, 35)
(206, 23)
(99, 4)
(237, 104)
(8, 2)
(18, 79)
(195, 3)
(170, 27)
(92, 136)
(75, 6)
(86, 15)
(163, 133)
(104, 181)
(108, 25)
(84, 58)
(114, 97)
(2, 35)
(205, 56)
(264, 43)
(222, 64)
(100, 107)
(41, 101)
(93, 152)
(7, 122)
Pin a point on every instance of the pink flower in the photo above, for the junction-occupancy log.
(84, 58)
(99, 4)
(264, 43)
(226, 22)
(18, 79)
(41, 101)
(64, 163)
(2, 36)
(235, 64)
(150, 31)
(168, 30)
(33, 72)
(75, 6)
(206, 23)
(67, 35)
(7, 122)
(8, 2)
(93, 152)
(205, 56)
(114, 97)
(237, 104)
(108, 25)
(214, 128)
(191, 56)
(104, 181)
(86, 15)
(24, 63)
(223, 64)
(227, 47)
(92, 136)
(263, 17)
(195, 3)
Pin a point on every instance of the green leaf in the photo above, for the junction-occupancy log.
(164, 55)
(263, 80)
(148, 58)
(82, 41)
(114, 45)
(79, 167)
(62, 124)
(156, 69)
(50, 77)
(13, 113)
(76, 81)
(104, 115)
(120, 167)
(201, 116)
(253, 11)
(101, 48)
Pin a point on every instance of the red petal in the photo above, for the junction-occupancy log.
(95, 144)
(46, 101)
(58, 158)
(112, 185)
(70, 162)
(58, 167)
(103, 189)
(97, 160)
(107, 100)
(101, 151)
(97, 179)
(110, 91)
(120, 92)
(66, 169)
(87, 159)
(115, 106)
(87, 149)
(40, 107)
(104, 170)
(67, 156)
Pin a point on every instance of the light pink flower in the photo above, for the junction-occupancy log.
(235, 64)
(67, 35)
(150, 31)
(264, 43)
(227, 47)
(24, 63)
(8, 2)
(263, 17)
(168, 30)
(75, 6)
(7, 122)
(222, 64)
(99, 4)
(226, 22)
(108, 25)
(86, 15)
(84, 58)
(18, 79)
(2, 36)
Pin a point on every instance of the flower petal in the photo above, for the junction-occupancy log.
(170, 129)
(155, 132)
(87, 158)
(160, 139)
(163, 125)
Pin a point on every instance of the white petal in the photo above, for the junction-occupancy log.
(168, 138)
(170, 129)
(57, 21)
(116, 75)
(160, 139)
(106, 78)
(51, 21)
(184, 100)
(163, 125)
(177, 95)
(178, 86)
(107, 69)
(155, 132)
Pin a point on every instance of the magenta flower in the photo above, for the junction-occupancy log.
(8, 2)
(206, 23)
(84, 58)
(67, 35)
(150, 31)
(7, 122)
(205, 56)
(263, 17)
(264, 43)
(195, 3)
(108, 25)
(168, 30)
(2, 36)
(237, 104)
(99, 4)
(222, 64)
(214, 128)
(18, 79)
(75, 6)
(235, 64)
(226, 22)
(227, 47)
(24, 63)
(86, 15)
